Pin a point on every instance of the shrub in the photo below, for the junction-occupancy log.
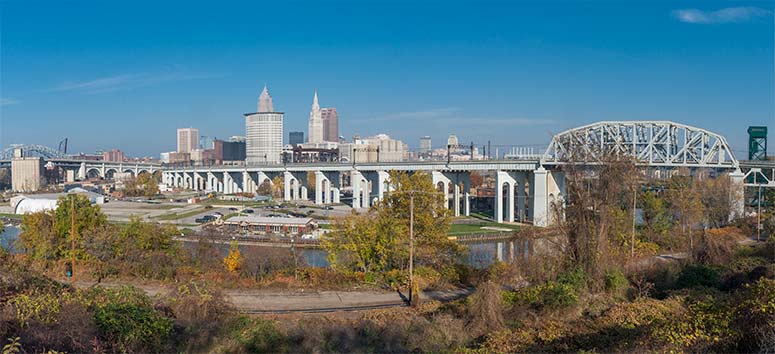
(559, 295)
(485, 309)
(704, 325)
(614, 280)
(259, 336)
(132, 327)
(755, 316)
(698, 275)
(575, 278)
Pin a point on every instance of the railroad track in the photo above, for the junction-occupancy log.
(324, 310)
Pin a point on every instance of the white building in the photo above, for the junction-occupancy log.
(315, 128)
(264, 133)
(378, 148)
(188, 139)
(425, 144)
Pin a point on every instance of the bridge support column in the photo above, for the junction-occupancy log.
(322, 188)
(383, 180)
(456, 199)
(82, 171)
(549, 197)
(228, 184)
(210, 186)
(304, 195)
(438, 177)
(335, 196)
(467, 202)
(737, 194)
(287, 186)
(502, 178)
(360, 187)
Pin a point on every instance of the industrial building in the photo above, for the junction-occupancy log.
(263, 225)
(27, 174)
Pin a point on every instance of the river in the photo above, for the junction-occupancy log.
(479, 255)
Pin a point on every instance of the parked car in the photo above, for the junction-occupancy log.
(205, 219)
(249, 211)
(328, 207)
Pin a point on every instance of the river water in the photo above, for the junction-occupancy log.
(479, 255)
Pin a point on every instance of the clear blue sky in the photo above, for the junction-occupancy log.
(111, 74)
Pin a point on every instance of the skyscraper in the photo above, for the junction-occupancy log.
(330, 124)
(188, 139)
(295, 138)
(425, 144)
(264, 133)
(315, 122)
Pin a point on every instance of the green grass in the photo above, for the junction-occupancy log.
(176, 216)
(160, 206)
(462, 229)
(10, 216)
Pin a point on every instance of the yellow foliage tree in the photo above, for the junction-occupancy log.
(233, 261)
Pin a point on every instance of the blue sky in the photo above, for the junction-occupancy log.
(113, 74)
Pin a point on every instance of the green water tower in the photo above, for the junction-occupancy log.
(757, 143)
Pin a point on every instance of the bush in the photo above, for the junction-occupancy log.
(132, 327)
(575, 278)
(698, 275)
(614, 280)
(559, 295)
(755, 316)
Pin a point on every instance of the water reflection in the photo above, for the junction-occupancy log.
(8, 237)
(484, 254)
(479, 255)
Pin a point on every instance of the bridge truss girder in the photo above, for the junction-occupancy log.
(653, 143)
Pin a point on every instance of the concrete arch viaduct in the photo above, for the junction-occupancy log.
(526, 188)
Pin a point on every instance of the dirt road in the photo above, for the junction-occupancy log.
(268, 301)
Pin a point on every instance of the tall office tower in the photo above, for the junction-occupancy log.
(264, 133)
(295, 138)
(188, 139)
(330, 124)
(452, 140)
(315, 122)
(425, 144)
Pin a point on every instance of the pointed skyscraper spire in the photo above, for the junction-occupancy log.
(315, 105)
(265, 101)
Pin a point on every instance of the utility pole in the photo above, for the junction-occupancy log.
(632, 237)
(411, 247)
(72, 237)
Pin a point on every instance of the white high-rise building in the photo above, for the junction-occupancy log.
(264, 133)
(188, 139)
(315, 132)
(425, 144)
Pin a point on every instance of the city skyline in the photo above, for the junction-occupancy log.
(515, 76)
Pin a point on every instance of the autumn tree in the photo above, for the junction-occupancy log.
(598, 215)
(685, 199)
(379, 240)
(233, 261)
(46, 235)
(145, 185)
(657, 219)
(278, 186)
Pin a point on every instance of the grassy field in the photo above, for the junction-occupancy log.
(462, 229)
(176, 216)
(10, 216)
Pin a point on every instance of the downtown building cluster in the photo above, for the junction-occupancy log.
(262, 142)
